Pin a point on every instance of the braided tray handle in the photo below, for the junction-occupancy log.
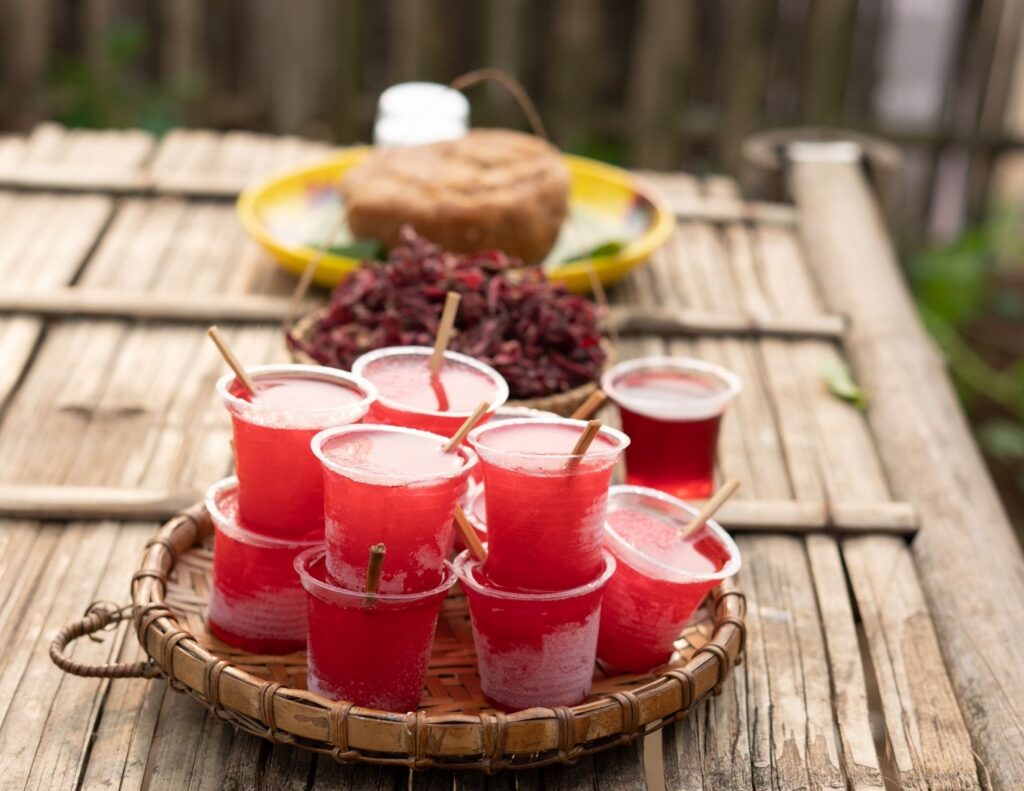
(100, 616)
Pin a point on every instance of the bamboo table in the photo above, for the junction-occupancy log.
(870, 656)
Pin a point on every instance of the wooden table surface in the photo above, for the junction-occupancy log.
(870, 659)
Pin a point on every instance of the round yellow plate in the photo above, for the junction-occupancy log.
(615, 222)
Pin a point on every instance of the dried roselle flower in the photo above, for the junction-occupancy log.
(540, 337)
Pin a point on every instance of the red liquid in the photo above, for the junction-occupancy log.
(373, 652)
(531, 652)
(280, 483)
(369, 499)
(676, 456)
(256, 602)
(545, 516)
(412, 397)
(643, 613)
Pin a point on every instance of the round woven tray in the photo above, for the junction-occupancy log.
(454, 727)
(562, 404)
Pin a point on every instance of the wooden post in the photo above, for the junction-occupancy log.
(970, 564)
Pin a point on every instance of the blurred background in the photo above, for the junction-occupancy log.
(659, 84)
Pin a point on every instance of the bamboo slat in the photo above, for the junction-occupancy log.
(206, 308)
(854, 755)
(931, 459)
(902, 669)
(26, 501)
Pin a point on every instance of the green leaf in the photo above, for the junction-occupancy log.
(607, 248)
(363, 250)
(1002, 439)
(839, 379)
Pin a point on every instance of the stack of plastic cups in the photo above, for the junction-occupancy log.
(273, 510)
(398, 487)
(535, 603)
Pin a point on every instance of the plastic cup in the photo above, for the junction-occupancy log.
(256, 602)
(390, 485)
(671, 408)
(280, 483)
(409, 396)
(661, 578)
(545, 507)
(533, 648)
(372, 649)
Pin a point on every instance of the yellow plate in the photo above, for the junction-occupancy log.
(291, 214)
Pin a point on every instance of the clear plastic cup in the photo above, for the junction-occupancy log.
(280, 483)
(661, 578)
(372, 649)
(545, 507)
(671, 408)
(533, 649)
(390, 485)
(409, 396)
(256, 601)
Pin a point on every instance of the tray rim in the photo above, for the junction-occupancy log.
(576, 275)
(489, 741)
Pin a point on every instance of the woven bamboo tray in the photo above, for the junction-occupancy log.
(562, 404)
(454, 727)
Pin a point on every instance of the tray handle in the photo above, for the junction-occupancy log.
(100, 616)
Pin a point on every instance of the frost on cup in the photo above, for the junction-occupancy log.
(410, 396)
(544, 506)
(391, 485)
(533, 648)
(661, 578)
(280, 483)
(671, 408)
(256, 601)
(372, 649)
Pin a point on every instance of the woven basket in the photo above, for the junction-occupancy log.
(563, 404)
(454, 727)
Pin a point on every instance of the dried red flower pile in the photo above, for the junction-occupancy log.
(541, 338)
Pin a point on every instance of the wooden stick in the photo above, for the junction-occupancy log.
(467, 426)
(469, 536)
(444, 331)
(712, 505)
(594, 402)
(230, 359)
(588, 436)
(373, 568)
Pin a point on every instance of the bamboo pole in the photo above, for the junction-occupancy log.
(971, 566)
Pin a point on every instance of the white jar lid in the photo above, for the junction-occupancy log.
(424, 100)
(411, 131)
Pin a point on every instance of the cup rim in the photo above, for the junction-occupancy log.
(621, 440)
(316, 586)
(465, 565)
(469, 458)
(660, 569)
(501, 386)
(321, 372)
(693, 408)
(235, 529)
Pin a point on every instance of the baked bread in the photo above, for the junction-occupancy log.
(492, 189)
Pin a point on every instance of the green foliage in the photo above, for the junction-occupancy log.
(1002, 439)
(952, 282)
(115, 92)
(963, 285)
